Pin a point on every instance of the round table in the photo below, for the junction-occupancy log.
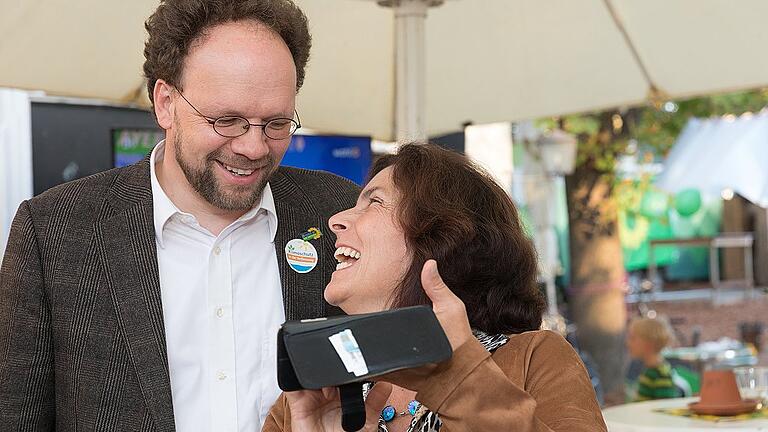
(640, 417)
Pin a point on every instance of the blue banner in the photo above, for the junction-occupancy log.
(346, 156)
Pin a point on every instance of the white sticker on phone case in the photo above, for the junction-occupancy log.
(348, 350)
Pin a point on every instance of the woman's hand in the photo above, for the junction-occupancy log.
(448, 308)
(320, 410)
(452, 315)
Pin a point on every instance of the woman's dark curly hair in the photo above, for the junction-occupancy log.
(452, 211)
(176, 24)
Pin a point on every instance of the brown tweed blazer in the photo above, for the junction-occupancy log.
(82, 341)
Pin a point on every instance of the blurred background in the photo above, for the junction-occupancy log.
(632, 135)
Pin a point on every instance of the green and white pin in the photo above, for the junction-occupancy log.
(301, 254)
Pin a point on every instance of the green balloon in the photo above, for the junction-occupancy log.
(688, 202)
(654, 204)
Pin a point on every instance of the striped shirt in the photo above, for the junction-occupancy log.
(657, 383)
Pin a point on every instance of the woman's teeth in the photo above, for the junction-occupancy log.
(343, 265)
(346, 257)
(238, 171)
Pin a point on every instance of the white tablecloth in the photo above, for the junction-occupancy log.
(639, 417)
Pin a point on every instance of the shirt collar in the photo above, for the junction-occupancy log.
(162, 205)
(164, 208)
(267, 204)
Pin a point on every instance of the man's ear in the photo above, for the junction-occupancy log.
(163, 103)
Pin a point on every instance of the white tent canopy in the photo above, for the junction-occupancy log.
(721, 153)
(486, 60)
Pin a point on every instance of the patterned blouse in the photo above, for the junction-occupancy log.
(426, 420)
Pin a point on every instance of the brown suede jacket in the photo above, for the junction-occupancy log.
(535, 382)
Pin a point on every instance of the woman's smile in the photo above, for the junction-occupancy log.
(346, 256)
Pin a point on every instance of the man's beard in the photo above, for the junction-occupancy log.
(204, 181)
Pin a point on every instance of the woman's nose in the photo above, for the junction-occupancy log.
(337, 222)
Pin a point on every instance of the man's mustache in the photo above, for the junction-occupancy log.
(241, 162)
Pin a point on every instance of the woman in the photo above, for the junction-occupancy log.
(422, 207)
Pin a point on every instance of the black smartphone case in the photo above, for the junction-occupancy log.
(389, 341)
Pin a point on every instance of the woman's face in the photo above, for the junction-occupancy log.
(370, 249)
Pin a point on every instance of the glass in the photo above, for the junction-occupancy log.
(752, 382)
(235, 126)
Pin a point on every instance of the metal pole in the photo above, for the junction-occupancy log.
(410, 67)
(549, 276)
(546, 239)
(410, 70)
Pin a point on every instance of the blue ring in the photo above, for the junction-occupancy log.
(388, 413)
(413, 406)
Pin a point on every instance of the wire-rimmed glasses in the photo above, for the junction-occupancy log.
(234, 126)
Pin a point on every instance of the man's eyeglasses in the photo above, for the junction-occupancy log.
(234, 126)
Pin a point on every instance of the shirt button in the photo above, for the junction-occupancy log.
(217, 251)
(220, 312)
(221, 375)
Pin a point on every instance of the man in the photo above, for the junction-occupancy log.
(147, 298)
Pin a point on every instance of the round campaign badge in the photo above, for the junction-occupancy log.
(301, 255)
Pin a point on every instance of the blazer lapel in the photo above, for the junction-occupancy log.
(302, 292)
(129, 249)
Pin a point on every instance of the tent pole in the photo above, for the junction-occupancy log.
(410, 67)
(410, 74)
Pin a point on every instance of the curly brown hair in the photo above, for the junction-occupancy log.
(176, 24)
(452, 211)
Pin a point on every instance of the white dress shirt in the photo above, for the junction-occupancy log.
(222, 306)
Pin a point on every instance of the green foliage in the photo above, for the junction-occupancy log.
(659, 129)
(602, 140)
(605, 136)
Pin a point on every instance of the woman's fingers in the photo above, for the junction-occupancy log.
(375, 402)
(331, 392)
(433, 284)
(378, 397)
(307, 409)
(448, 308)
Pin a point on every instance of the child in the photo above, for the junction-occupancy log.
(646, 338)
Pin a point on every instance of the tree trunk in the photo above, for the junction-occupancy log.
(596, 296)
(735, 220)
